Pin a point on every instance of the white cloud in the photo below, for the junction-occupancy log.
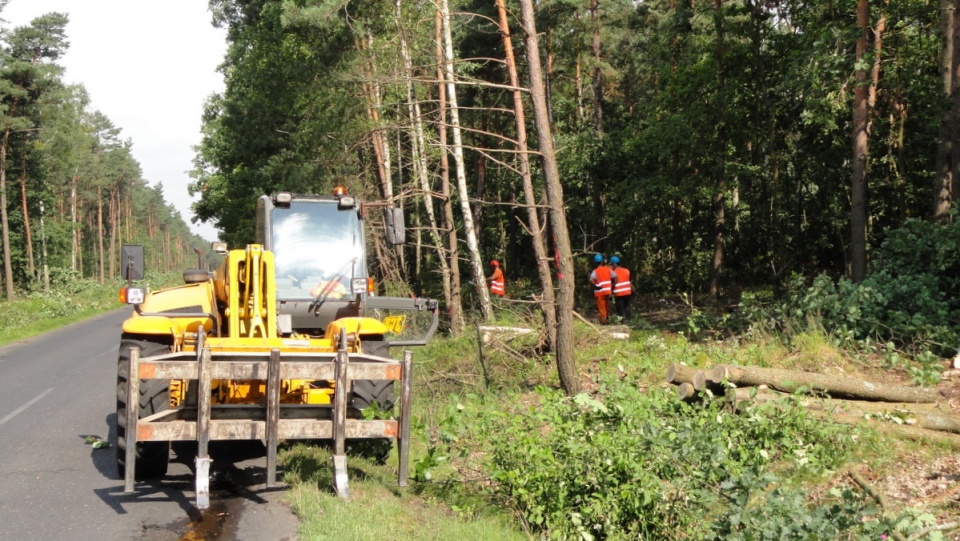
(148, 65)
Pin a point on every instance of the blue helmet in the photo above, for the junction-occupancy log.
(598, 258)
(615, 260)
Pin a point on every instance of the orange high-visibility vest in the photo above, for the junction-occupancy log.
(497, 284)
(603, 283)
(622, 288)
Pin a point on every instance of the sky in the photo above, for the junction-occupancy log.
(148, 65)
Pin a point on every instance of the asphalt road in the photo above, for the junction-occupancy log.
(59, 388)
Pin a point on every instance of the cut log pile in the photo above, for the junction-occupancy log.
(905, 411)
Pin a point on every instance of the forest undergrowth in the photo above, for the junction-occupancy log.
(501, 453)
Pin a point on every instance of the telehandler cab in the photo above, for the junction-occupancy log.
(285, 340)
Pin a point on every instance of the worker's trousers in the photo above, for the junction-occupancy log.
(603, 308)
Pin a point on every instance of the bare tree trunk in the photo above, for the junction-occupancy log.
(790, 381)
(391, 259)
(548, 302)
(75, 245)
(31, 266)
(481, 169)
(4, 222)
(421, 171)
(100, 231)
(595, 52)
(954, 120)
(456, 305)
(861, 148)
(719, 194)
(566, 368)
(920, 415)
(113, 218)
(943, 189)
(479, 278)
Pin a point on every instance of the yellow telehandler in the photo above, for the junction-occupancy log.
(285, 340)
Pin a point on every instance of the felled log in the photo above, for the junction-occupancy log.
(913, 414)
(679, 373)
(790, 381)
(686, 392)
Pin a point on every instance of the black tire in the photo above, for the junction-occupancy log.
(195, 276)
(373, 391)
(152, 456)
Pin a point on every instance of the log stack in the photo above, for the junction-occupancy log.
(906, 411)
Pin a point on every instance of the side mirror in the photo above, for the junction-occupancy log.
(131, 262)
(396, 232)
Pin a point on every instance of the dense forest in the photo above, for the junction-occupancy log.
(71, 192)
(714, 146)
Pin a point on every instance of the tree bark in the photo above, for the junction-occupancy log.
(678, 373)
(566, 368)
(4, 222)
(720, 188)
(548, 300)
(861, 144)
(453, 250)
(894, 430)
(943, 187)
(31, 264)
(479, 277)
(790, 381)
(419, 158)
(919, 415)
(954, 98)
(99, 246)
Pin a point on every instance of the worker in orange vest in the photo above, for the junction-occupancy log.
(497, 284)
(601, 278)
(622, 288)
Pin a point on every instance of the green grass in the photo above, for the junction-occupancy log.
(378, 509)
(68, 301)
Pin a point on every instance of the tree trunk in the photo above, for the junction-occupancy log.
(453, 250)
(75, 240)
(920, 415)
(479, 277)
(595, 52)
(113, 219)
(4, 222)
(720, 188)
(861, 144)
(31, 265)
(943, 188)
(100, 233)
(548, 302)
(566, 367)
(419, 145)
(678, 373)
(790, 381)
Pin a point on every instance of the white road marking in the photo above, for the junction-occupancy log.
(19, 410)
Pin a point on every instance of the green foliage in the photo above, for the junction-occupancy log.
(785, 514)
(626, 464)
(69, 300)
(910, 301)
